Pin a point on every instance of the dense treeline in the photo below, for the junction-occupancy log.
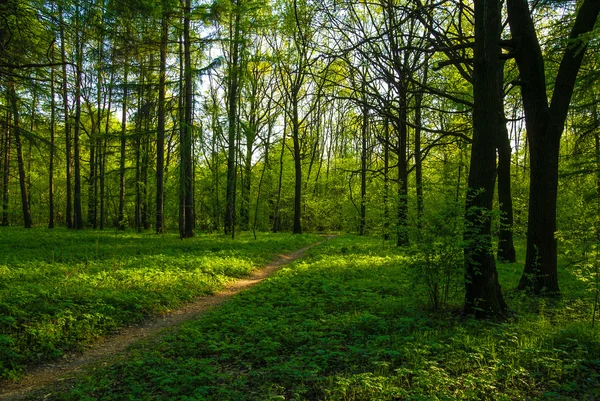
(386, 117)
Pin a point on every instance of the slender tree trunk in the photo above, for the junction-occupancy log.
(506, 247)
(402, 229)
(232, 103)
(77, 123)
(386, 179)
(67, 122)
(92, 210)
(160, 140)
(138, 189)
(6, 169)
(246, 187)
(363, 165)
(483, 295)
(34, 101)
(28, 223)
(145, 161)
(276, 213)
(52, 137)
(418, 156)
(186, 228)
(104, 149)
(297, 163)
(121, 216)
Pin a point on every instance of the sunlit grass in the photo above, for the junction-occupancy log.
(347, 323)
(61, 289)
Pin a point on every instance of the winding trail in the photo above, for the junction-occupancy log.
(105, 351)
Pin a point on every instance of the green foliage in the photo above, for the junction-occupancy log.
(60, 290)
(436, 263)
(344, 325)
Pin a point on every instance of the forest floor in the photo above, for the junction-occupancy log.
(106, 350)
(352, 320)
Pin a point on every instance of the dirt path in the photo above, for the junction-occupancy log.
(111, 346)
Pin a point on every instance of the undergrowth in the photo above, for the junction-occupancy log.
(60, 290)
(346, 323)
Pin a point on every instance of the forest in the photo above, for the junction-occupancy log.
(433, 165)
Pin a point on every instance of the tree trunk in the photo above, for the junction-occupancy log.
(232, 103)
(483, 295)
(276, 213)
(186, 228)
(52, 137)
(77, 122)
(6, 170)
(545, 124)
(65, 96)
(506, 247)
(363, 165)
(402, 229)
(160, 140)
(418, 156)
(297, 164)
(121, 216)
(20, 162)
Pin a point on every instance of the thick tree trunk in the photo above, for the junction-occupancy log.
(545, 124)
(28, 223)
(541, 273)
(483, 295)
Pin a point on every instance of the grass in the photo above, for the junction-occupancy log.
(346, 323)
(60, 289)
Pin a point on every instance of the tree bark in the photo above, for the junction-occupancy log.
(160, 139)
(51, 212)
(186, 227)
(297, 164)
(232, 105)
(506, 247)
(545, 124)
(65, 96)
(402, 217)
(363, 165)
(6, 170)
(121, 216)
(77, 123)
(28, 223)
(483, 295)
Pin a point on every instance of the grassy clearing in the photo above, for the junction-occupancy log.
(60, 289)
(346, 324)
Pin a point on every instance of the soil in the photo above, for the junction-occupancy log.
(107, 350)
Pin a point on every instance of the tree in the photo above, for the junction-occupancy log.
(483, 296)
(186, 195)
(545, 124)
